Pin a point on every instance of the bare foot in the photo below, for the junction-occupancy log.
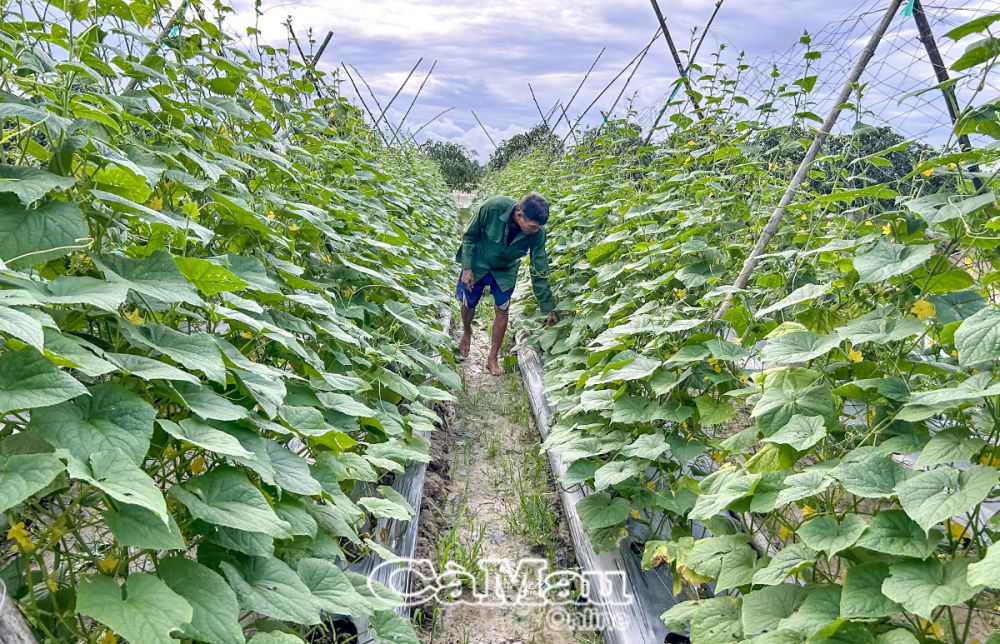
(494, 366)
(464, 344)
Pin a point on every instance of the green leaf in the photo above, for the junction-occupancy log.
(922, 586)
(216, 610)
(114, 473)
(331, 588)
(869, 474)
(268, 586)
(32, 236)
(978, 338)
(931, 497)
(135, 526)
(208, 404)
(801, 432)
(975, 26)
(790, 560)
(827, 534)
(719, 489)
(986, 571)
(22, 475)
(29, 381)
(150, 612)
(22, 327)
(150, 368)
(276, 637)
(204, 436)
(949, 445)
(226, 497)
(31, 184)
(978, 53)
(111, 417)
(880, 329)
(862, 596)
(646, 446)
(893, 533)
(817, 614)
(887, 259)
(763, 609)
(614, 473)
(390, 628)
(801, 294)
(77, 353)
(798, 346)
(792, 391)
(601, 511)
(208, 277)
(155, 276)
(714, 412)
(291, 471)
(925, 404)
(193, 351)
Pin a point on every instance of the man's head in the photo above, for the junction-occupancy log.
(531, 213)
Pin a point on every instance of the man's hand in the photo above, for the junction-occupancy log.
(467, 280)
(552, 319)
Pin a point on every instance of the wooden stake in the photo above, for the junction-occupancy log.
(691, 59)
(434, 118)
(484, 129)
(374, 98)
(394, 96)
(941, 72)
(677, 58)
(538, 107)
(358, 92)
(13, 629)
(322, 48)
(416, 96)
(800, 174)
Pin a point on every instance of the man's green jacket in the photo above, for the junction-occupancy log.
(484, 249)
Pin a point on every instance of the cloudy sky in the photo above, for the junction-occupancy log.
(487, 51)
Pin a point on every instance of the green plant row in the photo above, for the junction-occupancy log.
(218, 305)
(837, 430)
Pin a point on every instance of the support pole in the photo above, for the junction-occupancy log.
(800, 174)
(687, 69)
(677, 58)
(374, 98)
(396, 95)
(176, 18)
(941, 72)
(622, 92)
(363, 103)
(432, 119)
(538, 107)
(416, 96)
(484, 129)
(13, 629)
(322, 48)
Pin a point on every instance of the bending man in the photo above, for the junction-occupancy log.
(499, 235)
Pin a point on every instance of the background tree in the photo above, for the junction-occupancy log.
(521, 143)
(460, 170)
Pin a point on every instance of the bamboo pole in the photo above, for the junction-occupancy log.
(800, 174)
(13, 628)
(941, 73)
(358, 92)
(677, 58)
(484, 129)
(538, 107)
(624, 87)
(322, 48)
(396, 95)
(572, 128)
(432, 119)
(374, 98)
(416, 96)
(687, 69)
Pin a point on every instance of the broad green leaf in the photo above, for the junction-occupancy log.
(950, 445)
(32, 236)
(764, 609)
(331, 588)
(76, 353)
(31, 184)
(646, 446)
(226, 497)
(978, 338)
(602, 511)
(155, 276)
(801, 432)
(880, 328)
(986, 571)
(149, 611)
(925, 404)
(887, 259)
(193, 351)
(922, 586)
(150, 368)
(111, 417)
(978, 25)
(862, 596)
(789, 392)
(275, 637)
(726, 351)
(135, 526)
(77, 289)
(801, 294)
(204, 436)
(869, 474)
(22, 475)
(216, 610)
(931, 497)
(29, 381)
(738, 568)
(714, 412)
(22, 327)
(719, 489)
(828, 535)
(798, 346)
(790, 560)
(268, 586)
(114, 473)
(386, 508)
(390, 628)
(208, 277)
(208, 404)
(893, 533)
(614, 473)
(978, 53)
(291, 471)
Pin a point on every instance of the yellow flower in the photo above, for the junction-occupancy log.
(968, 261)
(955, 529)
(717, 457)
(954, 353)
(198, 466)
(651, 485)
(886, 229)
(784, 532)
(691, 143)
(108, 565)
(169, 451)
(635, 514)
(270, 215)
(808, 510)
(680, 293)
(246, 334)
(293, 227)
(50, 583)
(990, 459)
(804, 218)
(156, 203)
(928, 172)
(21, 536)
(107, 637)
(855, 355)
(923, 309)
(134, 317)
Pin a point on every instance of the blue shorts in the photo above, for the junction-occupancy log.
(470, 298)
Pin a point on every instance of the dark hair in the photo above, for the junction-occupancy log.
(535, 208)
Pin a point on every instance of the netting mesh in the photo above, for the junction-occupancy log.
(899, 82)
